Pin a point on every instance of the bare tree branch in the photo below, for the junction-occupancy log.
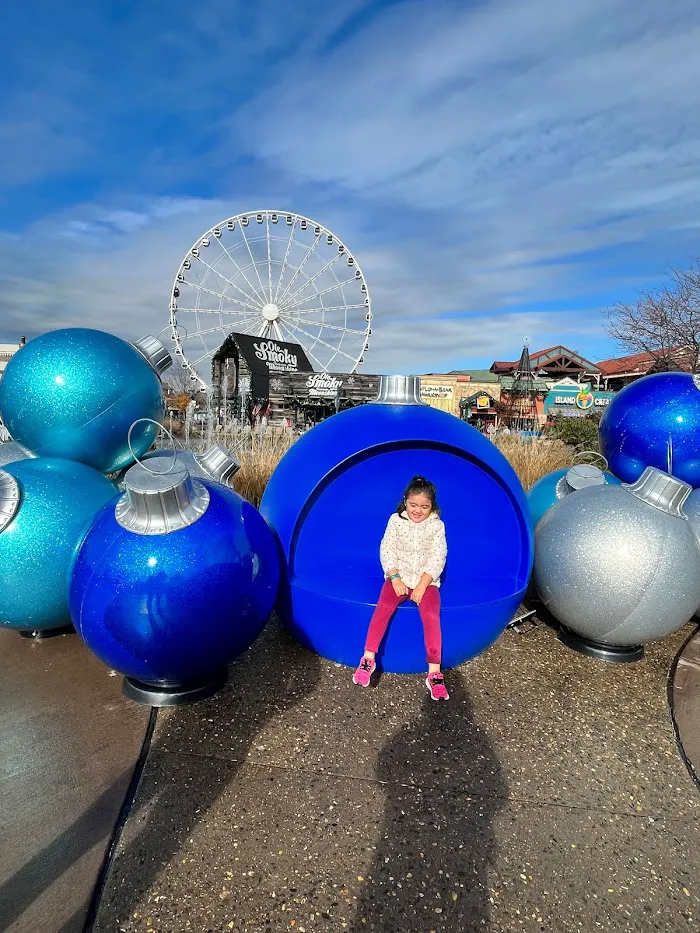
(664, 323)
(176, 381)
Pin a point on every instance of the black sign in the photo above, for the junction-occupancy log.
(267, 357)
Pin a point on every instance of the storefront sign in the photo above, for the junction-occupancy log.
(265, 356)
(483, 401)
(323, 385)
(432, 391)
(576, 404)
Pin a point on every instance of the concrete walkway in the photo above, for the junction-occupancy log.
(68, 744)
(548, 795)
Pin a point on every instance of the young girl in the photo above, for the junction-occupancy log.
(412, 554)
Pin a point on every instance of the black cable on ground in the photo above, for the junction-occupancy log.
(669, 697)
(124, 813)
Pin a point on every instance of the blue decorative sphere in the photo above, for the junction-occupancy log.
(74, 393)
(171, 608)
(654, 421)
(330, 499)
(554, 486)
(55, 502)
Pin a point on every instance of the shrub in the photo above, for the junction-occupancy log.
(577, 432)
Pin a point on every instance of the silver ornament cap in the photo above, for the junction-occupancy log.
(153, 351)
(661, 491)
(399, 390)
(11, 452)
(159, 503)
(219, 463)
(9, 499)
(583, 475)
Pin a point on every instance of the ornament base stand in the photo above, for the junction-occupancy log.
(174, 694)
(614, 654)
(41, 634)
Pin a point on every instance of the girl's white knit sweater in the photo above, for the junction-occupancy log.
(414, 548)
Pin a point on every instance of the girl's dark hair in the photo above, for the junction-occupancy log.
(423, 487)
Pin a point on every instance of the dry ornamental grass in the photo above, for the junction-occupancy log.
(531, 459)
(259, 452)
(259, 456)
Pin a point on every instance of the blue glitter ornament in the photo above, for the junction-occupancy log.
(49, 505)
(173, 582)
(330, 499)
(654, 421)
(554, 486)
(74, 393)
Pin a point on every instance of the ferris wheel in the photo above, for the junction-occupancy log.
(270, 274)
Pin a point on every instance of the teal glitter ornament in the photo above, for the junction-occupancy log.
(74, 393)
(46, 507)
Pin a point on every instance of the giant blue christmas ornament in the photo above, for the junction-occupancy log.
(619, 566)
(75, 393)
(554, 486)
(173, 582)
(331, 497)
(46, 506)
(654, 421)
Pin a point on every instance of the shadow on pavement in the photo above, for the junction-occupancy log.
(273, 676)
(41, 871)
(436, 842)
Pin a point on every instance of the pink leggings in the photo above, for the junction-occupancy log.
(429, 610)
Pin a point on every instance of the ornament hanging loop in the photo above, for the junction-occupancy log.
(594, 454)
(142, 462)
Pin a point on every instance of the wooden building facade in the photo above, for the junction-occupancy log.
(258, 377)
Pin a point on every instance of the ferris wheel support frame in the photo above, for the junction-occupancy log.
(267, 305)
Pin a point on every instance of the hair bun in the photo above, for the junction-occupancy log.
(419, 479)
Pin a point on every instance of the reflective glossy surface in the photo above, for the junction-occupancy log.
(650, 421)
(330, 499)
(74, 393)
(172, 608)
(615, 569)
(58, 500)
(551, 488)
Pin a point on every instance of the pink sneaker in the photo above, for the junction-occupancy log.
(364, 671)
(436, 686)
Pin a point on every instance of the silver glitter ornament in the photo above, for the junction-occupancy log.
(619, 565)
(691, 507)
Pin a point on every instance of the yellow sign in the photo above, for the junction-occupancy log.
(483, 401)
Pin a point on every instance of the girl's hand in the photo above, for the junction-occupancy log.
(418, 594)
(400, 587)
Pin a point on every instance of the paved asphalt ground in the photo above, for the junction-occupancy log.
(549, 794)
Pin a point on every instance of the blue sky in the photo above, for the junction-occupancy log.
(498, 168)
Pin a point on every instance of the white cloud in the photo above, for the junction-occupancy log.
(481, 160)
(522, 129)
